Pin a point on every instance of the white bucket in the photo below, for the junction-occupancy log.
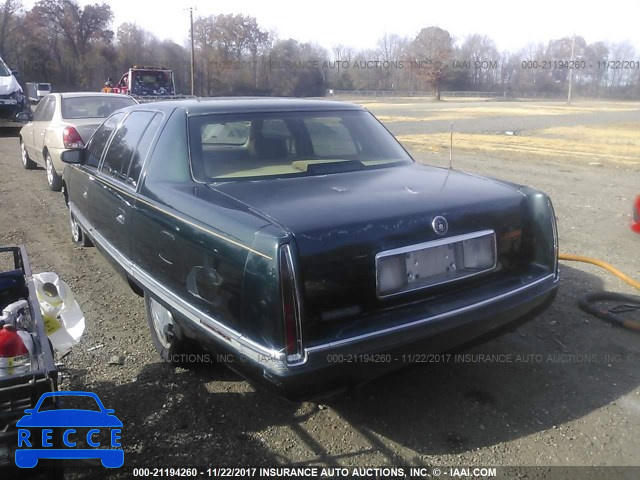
(64, 321)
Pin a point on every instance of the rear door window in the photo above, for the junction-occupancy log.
(49, 109)
(100, 138)
(37, 114)
(125, 142)
(229, 133)
(330, 138)
(142, 151)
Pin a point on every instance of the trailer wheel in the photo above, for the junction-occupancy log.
(27, 163)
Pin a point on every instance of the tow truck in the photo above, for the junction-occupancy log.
(148, 84)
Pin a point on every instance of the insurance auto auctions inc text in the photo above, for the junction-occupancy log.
(367, 472)
(355, 64)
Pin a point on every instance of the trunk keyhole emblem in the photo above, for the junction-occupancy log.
(440, 225)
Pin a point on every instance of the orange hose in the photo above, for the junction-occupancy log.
(578, 258)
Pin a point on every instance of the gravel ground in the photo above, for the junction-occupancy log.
(565, 393)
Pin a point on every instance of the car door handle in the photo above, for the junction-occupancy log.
(120, 218)
(85, 194)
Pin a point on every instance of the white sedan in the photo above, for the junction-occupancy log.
(63, 121)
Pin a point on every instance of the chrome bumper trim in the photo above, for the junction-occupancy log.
(398, 328)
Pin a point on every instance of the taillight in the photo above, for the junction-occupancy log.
(71, 138)
(290, 307)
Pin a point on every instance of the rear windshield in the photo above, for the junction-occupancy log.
(44, 86)
(263, 145)
(151, 82)
(94, 106)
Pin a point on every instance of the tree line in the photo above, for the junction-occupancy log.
(74, 47)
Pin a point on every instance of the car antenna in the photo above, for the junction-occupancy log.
(451, 149)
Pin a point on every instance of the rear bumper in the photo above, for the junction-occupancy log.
(340, 365)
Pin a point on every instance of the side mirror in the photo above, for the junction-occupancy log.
(24, 117)
(73, 157)
(14, 72)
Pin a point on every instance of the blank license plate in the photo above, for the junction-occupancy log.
(436, 262)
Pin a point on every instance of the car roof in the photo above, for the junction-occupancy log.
(201, 106)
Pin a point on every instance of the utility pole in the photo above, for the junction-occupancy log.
(193, 56)
(573, 48)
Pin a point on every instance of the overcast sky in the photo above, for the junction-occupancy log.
(511, 24)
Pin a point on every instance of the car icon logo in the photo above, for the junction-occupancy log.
(88, 427)
(440, 225)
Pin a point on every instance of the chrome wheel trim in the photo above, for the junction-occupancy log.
(49, 169)
(23, 154)
(161, 319)
(75, 229)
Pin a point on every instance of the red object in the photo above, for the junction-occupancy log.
(11, 345)
(635, 225)
(71, 138)
(289, 305)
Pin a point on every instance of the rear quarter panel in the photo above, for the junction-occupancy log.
(193, 240)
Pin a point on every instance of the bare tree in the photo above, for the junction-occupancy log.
(391, 49)
(224, 39)
(620, 78)
(430, 54)
(479, 50)
(80, 28)
(7, 21)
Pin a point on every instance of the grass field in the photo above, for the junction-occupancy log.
(585, 132)
(618, 143)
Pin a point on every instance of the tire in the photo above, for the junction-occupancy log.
(53, 179)
(77, 234)
(27, 163)
(161, 326)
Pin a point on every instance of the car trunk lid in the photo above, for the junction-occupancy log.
(341, 222)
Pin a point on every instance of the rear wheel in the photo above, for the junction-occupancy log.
(77, 234)
(163, 334)
(54, 180)
(27, 163)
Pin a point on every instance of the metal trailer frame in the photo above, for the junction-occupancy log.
(23, 390)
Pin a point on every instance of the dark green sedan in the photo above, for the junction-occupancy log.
(298, 241)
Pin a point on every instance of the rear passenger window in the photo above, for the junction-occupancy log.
(330, 138)
(229, 133)
(125, 141)
(38, 115)
(49, 109)
(143, 150)
(275, 127)
(100, 138)
(169, 161)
